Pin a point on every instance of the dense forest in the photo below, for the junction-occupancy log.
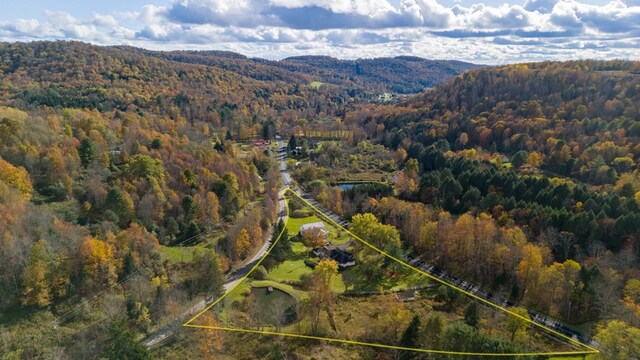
(402, 74)
(131, 189)
(534, 166)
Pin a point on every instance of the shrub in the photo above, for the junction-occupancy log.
(311, 262)
(301, 213)
(260, 273)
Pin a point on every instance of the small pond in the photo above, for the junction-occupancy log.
(347, 186)
(277, 307)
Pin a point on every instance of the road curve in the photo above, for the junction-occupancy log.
(165, 333)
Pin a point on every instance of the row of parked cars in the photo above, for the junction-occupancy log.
(541, 319)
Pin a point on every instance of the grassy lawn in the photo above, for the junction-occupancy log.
(290, 271)
(293, 225)
(298, 248)
(239, 292)
(177, 254)
(337, 236)
(410, 280)
(299, 295)
(405, 279)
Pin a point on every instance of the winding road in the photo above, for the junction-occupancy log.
(165, 333)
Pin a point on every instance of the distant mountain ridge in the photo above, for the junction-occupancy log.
(402, 74)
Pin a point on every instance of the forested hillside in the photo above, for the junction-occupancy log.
(534, 166)
(126, 192)
(402, 74)
(108, 162)
(133, 186)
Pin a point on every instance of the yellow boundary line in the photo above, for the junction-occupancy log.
(286, 205)
(590, 350)
(354, 342)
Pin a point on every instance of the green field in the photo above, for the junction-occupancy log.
(293, 225)
(289, 271)
(336, 235)
(177, 254)
(298, 248)
(316, 84)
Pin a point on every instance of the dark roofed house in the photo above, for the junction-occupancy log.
(344, 258)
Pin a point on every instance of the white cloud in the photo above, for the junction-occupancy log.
(537, 29)
(104, 20)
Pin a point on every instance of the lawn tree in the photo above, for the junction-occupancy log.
(282, 249)
(320, 293)
(370, 229)
(293, 143)
(383, 237)
(314, 237)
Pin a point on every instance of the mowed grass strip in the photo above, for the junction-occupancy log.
(289, 271)
(299, 295)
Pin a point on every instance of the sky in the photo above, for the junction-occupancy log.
(479, 31)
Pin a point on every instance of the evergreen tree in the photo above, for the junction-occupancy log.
(411, 338)
(293, 143)
(87, 152)
(472, 315)
(121, 343)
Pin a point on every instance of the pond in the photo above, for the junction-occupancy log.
(276, 306)
(347, 186)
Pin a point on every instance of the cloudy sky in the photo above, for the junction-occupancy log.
(481, 31)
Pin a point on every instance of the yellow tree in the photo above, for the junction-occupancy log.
(242, 244)
(369, 228)
(519, 323)
(320, 294)
(631, 300)
(16, 177)
(212, 208)
(530, 267)
(100, 268)
(618, 340)
(208, 341)
(35, 277)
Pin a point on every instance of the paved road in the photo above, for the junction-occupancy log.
(433, 270)
(286, 177)
(440, 273)
(165, 333)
